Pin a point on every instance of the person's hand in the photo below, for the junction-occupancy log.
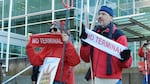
(145, 44)
(65, 37)
(84, 43)
(83, 33)
(125, 55)
(29, 44)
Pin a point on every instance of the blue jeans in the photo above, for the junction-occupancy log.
(119, 82)
(144, 80)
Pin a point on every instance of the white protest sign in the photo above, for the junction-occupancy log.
(104, 43)
(48, 70)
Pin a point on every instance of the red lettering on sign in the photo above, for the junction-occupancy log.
(35, 41)
(90, 36)
(107, 44)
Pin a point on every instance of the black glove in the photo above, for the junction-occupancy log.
(83, 33)
(84, 43)
(125, 55)
(145, 44)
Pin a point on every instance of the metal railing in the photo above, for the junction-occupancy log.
(13, 77)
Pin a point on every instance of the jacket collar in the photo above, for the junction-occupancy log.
(107, 28)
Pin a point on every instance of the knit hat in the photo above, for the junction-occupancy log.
(107, 10)
(56, 24)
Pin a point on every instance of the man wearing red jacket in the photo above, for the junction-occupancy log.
(144, 51)
(107, 69)
(70, 59)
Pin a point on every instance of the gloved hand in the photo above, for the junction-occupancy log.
(83, 33)
(29, 44)
(65, 37)
(146, 44)
(84, 43)
(125, 55)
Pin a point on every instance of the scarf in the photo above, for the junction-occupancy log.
(108, 34)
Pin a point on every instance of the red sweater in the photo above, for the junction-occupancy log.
(71, 59)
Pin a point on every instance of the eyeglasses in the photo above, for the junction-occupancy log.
(55, 29)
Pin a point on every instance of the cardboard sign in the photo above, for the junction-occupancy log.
(47, 40)
(104, 43)
(48, 70)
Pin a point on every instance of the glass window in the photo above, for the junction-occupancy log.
(0, 46)
(23, 50)
(19, 30)
(39, 28)
(15, 49)
(4, 55)
(19, 21)
(14, 55)
(46, 17)
(39, 18)
(145, 9)
(5, 47)
(1, 9)
(6, 8)
(6, 23)
(59, 5)
(38, 5)
(60, 14)
(18, 7)
(33, 19)
(125, 7)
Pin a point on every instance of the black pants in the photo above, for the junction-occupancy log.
(57, 82)
(35, 72)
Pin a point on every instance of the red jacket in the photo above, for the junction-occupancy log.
(142, 65)
(71, 59)
(99, 60)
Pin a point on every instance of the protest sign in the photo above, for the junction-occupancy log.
(47, 40)
(48, 70)
(104, 43)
